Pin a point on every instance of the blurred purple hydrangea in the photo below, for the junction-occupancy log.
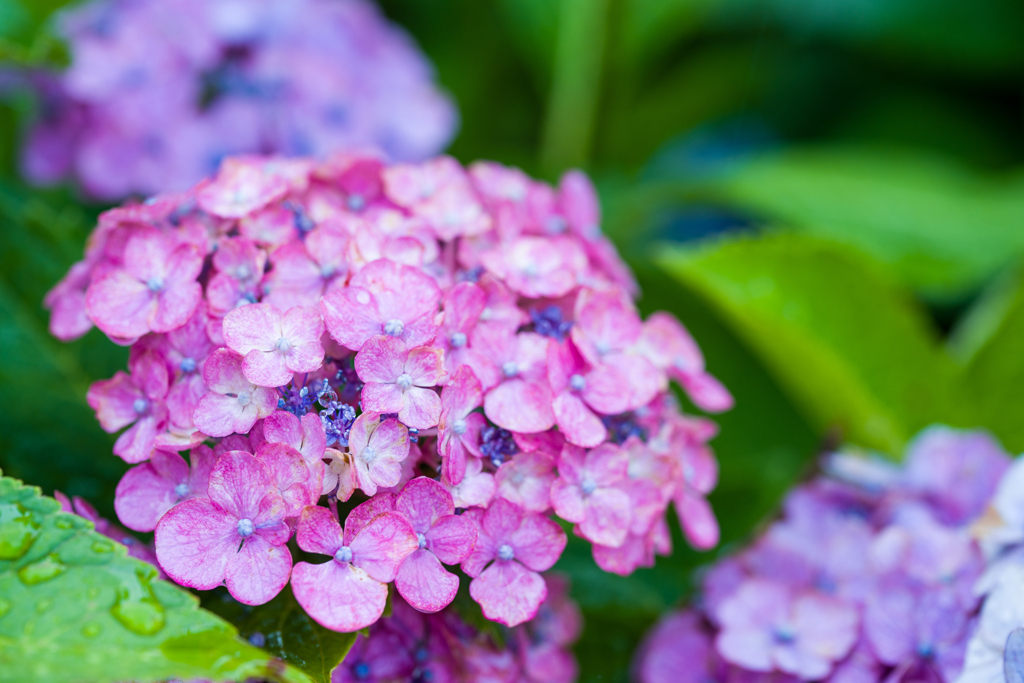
(873, 574)
(159, 91)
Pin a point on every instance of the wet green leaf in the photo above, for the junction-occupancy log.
(76, 608)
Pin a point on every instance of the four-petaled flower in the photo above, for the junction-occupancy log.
(233, 403)
(586, 492)
(275, 345)
(378, 448)
(401, 380)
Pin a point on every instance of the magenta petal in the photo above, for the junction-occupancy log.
(338, 596)
(381, 546)
(254, 327)
(289, 473)
(424, 583)
(258, 572)
(381, 359)
(538, 542)
(567, 500)
(175, 306)
(319, 531)
(351, 316)
(608, 516)
(423, 501)
(120, 305)
(136, 444)
(143, 495)
(707, 392)
(452, 538)
(238, 483)
(421, 409)
(425, 366)
(520, 406)
(508, 593)
(698, 521)
(361, 514)
(194, 542)
(382, 398)
(578, 422)
(266, 369)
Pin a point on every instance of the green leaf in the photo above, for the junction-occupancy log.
(852, 349)
(286, 631)
(992, 379)
(75, 608)
(944, 229)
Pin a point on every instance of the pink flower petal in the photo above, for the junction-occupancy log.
(707, 393)
(520, 406)
(423, 501)
(144, 494)
(609, 513)
(381, 359)
(425, 366)
(291, 476)
(382, 398)
(578, 422)
(381, 546)
(319, 531)
(194, 542)
(421, 408)
(361, 514)
(258, 572)
(451, 538)
(508, 593)
(238, 483)
(698, 521)
(424, 583)
(538, 542)
(338, 596)
(120, 305)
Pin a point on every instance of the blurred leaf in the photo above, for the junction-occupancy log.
(944, 229)
(983, 35)
(286, 631)
(764, 446)
(74, 607)
(46, 380)
(851, 348)
(993, 377)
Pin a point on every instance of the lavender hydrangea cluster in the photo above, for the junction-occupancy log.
(873, 573)
(159, 91)
(396, 367)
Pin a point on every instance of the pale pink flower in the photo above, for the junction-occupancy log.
(401, 380)
(638, 550)
(669, 346)
(526, 481)
(537, 267)
(463, 305)
(606, 330)
(767, 626)
(136, 399)
(458, 431)
(237, 536)
(244, 184)
(349, 591)
(520, 400)
(442, 536)
(275, 345)
(154, 291)
(476, 488)
(147, 491)
(233, 403)
(439, 192)
(567, 374)
(512, 547)
(383, 298)
(378, 448)
(586, 492)
(305, 270)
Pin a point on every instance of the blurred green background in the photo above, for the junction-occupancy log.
(828, 193)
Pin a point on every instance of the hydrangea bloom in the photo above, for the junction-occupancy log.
(159, 91)
(397, 342)
(872, 574)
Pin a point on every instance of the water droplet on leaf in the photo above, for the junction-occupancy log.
(102, 546)
(137, 608)
(18, 530)
(43, 570)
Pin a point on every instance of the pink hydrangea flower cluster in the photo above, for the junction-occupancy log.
(412, 646)
(868, 576)
(158, 91)
(451, 356)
